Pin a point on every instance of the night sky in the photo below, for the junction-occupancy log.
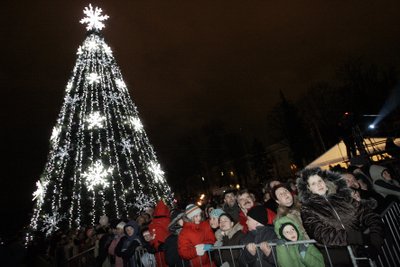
(184, 62)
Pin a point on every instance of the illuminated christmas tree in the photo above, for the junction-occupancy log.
(100, 159)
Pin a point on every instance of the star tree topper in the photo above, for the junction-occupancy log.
(93, 19)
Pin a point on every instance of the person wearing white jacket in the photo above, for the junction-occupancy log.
(383, 182)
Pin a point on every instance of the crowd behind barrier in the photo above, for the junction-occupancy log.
(388, 256)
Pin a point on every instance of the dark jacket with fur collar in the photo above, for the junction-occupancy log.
(335, 219)
(231, 238)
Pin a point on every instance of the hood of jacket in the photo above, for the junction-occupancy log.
(161, 210)
(135, 227)
(375, 171)
(285, 220)
(335, 183)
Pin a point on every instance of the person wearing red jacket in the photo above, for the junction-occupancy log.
(246, 201)
(159, 229)
(196, 238)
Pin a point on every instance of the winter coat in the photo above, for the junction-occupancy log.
(127, 245)
(260, 234)
(294, 214)
(111, 250)
(191, 235)
(172, 257)
(230, 238)
(159, 227)
(296, 255)
(336, 219)
(381, 185)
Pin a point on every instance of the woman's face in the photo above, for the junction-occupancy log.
(225, 223)
(214, 222)
(317, 185)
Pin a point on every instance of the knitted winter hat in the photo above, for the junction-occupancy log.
(258, 213)
(191, 211)
(215, 213)
(120, 225)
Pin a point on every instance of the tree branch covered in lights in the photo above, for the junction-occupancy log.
(100, 159)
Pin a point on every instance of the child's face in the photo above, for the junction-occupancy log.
(290, 233)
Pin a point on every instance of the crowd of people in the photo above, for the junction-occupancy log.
(334, 208)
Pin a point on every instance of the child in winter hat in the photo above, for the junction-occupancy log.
(294, 255)
(191, 211)
(214, 216)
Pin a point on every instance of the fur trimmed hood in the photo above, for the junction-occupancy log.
(335, 183)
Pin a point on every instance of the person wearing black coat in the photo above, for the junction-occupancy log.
(172, 257)
(127, 245)
(333, 218)
(260, 233)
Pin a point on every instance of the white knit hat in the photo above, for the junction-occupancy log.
(192, 210)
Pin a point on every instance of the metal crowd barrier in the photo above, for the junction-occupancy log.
(388, 255)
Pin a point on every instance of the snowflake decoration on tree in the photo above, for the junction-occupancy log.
(93, 78)
(50, 223)
(126, 145)
(95, 120)
(96, 175)
(155, 169)
(142, 202)
(62, 152)
(72, 100)
(136, 123)
(93, 19)
(115, 98)
(40, 190)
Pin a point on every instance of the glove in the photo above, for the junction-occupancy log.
(200, 249)
(218, 243)
(354, 238)
(375, 240)
(207, 247)
(303, 250)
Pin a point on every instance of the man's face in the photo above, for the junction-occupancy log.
(386, 175)
(284, 198)
(351, 180)
(230, 199)
(245, 201)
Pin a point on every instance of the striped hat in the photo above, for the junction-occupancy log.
(191, 211)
